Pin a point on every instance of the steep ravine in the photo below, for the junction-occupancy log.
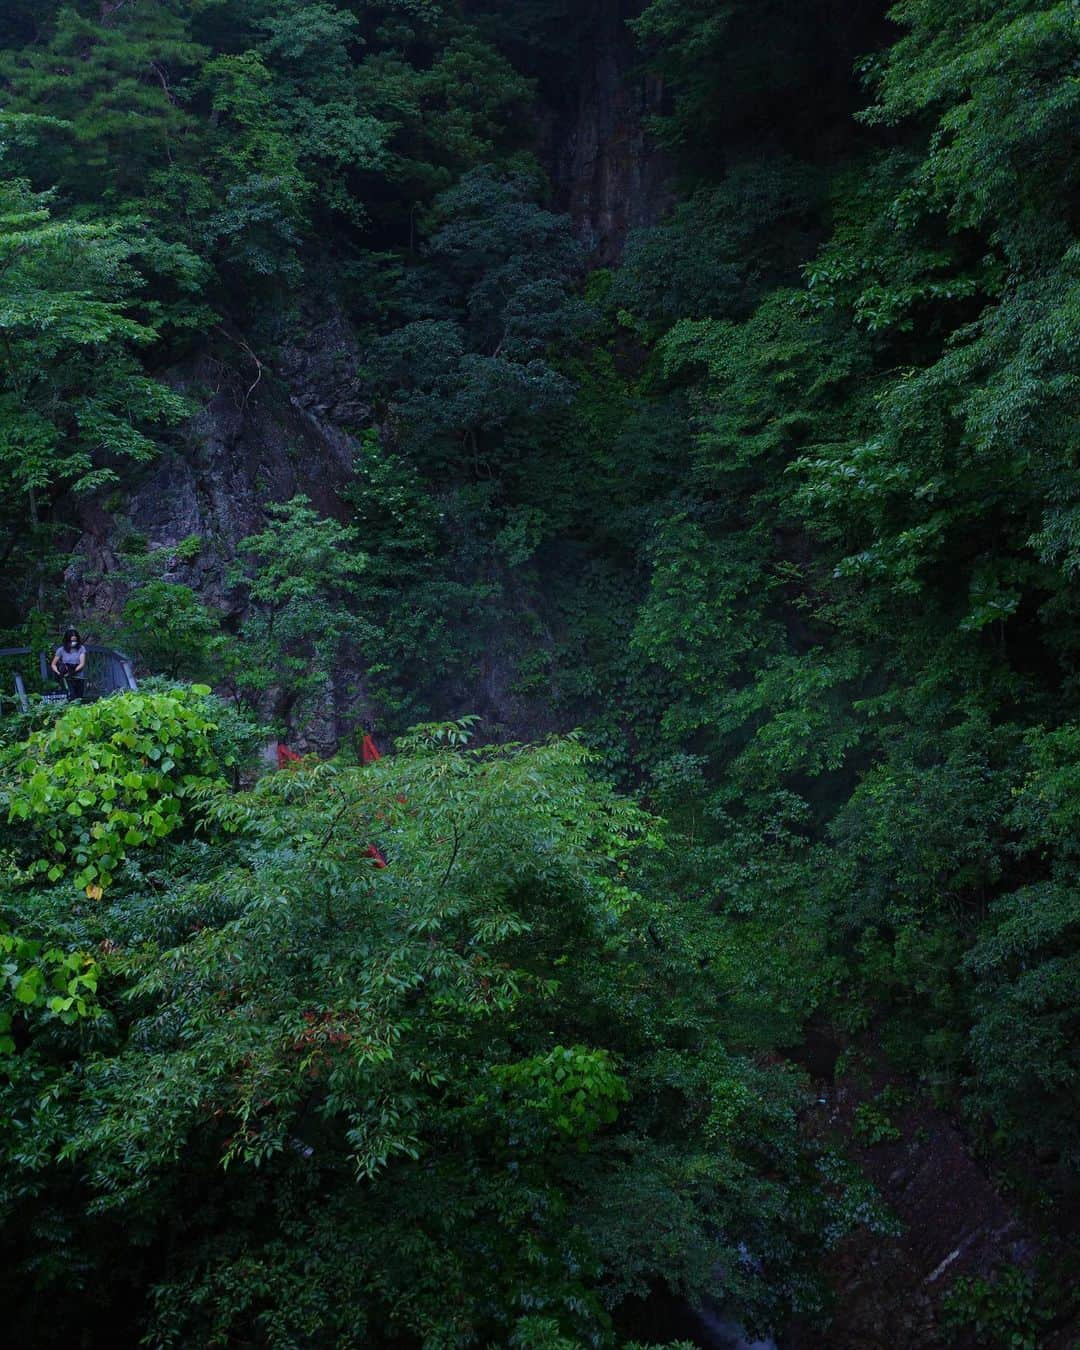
(271, 427)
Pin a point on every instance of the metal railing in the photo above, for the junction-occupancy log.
(107, 671)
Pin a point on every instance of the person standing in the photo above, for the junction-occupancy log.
(68, 664)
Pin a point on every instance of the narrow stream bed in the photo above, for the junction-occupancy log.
(662, 1319)
(720, 1333)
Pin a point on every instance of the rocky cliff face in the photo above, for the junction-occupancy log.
(263, 433)
(268, 429)
(609, 174)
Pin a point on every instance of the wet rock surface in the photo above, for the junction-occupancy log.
(956, 1219)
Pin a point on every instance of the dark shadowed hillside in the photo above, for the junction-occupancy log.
(590, 493)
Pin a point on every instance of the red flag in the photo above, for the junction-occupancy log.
(369, 751)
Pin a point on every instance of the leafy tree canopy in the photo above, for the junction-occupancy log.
(489, 1067)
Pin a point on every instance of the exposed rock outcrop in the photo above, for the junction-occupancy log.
(609, 173)
(954, 1217)
(260, 435)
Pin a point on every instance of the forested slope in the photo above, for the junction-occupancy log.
(698, 376)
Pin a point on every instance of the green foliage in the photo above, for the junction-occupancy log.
(571, 1089)
(1005, 1312)
(200, 160)
(105, 94)
(428, 625)
(301, 572)
(767, 74)
(873, 1126)
(858, 626)
(684, 40)
(784, 511)
(73, 397)
(491, 1069)
(43, 984)
(494, 295)
(103, 779)
(723, 248)
(170, 629)
(999, 92)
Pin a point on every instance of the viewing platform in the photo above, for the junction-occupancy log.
(107, 672)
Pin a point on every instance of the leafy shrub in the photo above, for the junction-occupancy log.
(46, 981)
(489, 1070)
(574, 1090)
(873, 1125)
(107, 777)
(1004, 1312)
(169, 627)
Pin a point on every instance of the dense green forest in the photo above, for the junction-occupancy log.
(752, 529)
